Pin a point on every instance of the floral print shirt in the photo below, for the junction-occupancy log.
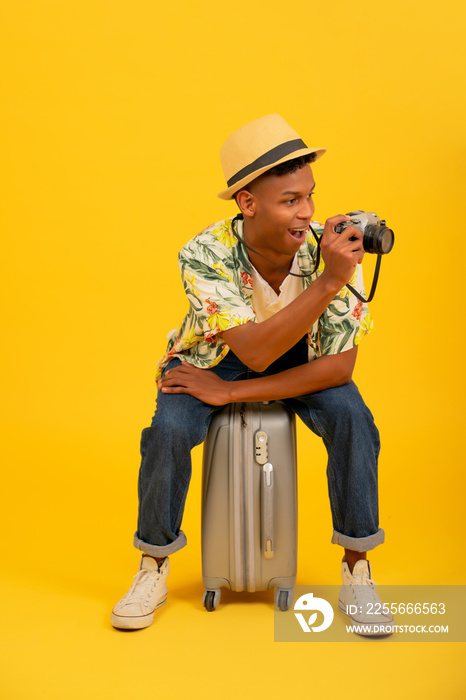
(216, 274)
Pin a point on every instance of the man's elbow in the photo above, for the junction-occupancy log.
(345, 364)
(256, 364)
(344, 375)
(259, 367)
(254, 361)
(242, 340)
(347, 377)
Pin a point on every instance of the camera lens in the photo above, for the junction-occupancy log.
(378, 239)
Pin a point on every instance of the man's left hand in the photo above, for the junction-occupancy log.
(200, 383)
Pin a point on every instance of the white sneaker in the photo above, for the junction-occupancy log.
(360, 601)
(148, 592)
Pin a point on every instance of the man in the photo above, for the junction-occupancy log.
(263, 324)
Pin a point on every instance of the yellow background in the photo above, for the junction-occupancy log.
(113, 115)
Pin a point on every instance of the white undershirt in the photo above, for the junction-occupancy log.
(266, 302)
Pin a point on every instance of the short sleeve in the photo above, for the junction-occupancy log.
(346, 320)
(213, 291)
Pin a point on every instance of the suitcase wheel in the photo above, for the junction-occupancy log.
(211, 599)
(284, 599)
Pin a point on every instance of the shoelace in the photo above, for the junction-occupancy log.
(366, 590)
(365, 580)
(142, 579)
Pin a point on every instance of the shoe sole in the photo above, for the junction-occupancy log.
(341, 607)
(121, 622)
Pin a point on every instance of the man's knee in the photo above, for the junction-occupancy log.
(342, 410)
(342, 401)
(348, 411)
(181, 423)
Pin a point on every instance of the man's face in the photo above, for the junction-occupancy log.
(282, 209)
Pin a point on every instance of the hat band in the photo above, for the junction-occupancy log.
(277, 153)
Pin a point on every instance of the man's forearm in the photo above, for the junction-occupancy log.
(259, 344)
(323, 373)
(252, 342)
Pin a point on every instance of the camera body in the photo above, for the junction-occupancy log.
(377, 238)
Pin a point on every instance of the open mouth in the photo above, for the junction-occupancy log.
(298, 234)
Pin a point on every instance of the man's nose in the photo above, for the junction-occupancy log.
(306, 209)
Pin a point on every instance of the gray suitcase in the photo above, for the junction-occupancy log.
(249, 502)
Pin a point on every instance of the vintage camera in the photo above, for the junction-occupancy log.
(377, 238)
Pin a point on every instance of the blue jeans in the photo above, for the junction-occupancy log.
(339, 416)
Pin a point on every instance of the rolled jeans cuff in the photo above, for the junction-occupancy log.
(359, 544)
(160, 551)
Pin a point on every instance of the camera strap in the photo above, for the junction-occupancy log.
(239, 217)
(374, 283)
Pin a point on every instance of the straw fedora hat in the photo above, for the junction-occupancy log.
(257, 147)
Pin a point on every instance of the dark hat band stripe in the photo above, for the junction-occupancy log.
(277, 153)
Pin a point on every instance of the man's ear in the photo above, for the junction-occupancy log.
(246, 203)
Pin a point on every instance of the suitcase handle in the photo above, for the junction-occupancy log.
(267, 511)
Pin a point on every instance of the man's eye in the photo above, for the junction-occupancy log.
(311, 194)
(291, 201)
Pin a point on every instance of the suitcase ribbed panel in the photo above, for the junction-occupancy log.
(216, 515)
(250, 502)
(237, 533)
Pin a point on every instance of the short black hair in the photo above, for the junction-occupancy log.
(289, 166)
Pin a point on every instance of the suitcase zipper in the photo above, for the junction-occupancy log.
(242, 412)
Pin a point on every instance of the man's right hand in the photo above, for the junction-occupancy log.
(340, 254)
